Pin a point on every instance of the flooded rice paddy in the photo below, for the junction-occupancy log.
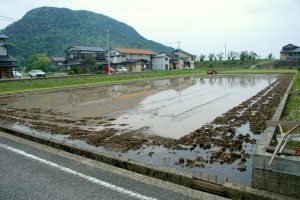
(179, 123)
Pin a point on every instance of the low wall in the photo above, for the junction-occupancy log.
(283, 176)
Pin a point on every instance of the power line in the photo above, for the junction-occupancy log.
(8, 18)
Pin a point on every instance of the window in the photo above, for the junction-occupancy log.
(166, 59)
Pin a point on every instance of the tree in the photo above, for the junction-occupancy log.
(202, 57)
(232, 55)
(270, 56)
(220, 55)
(252, 55)
(90, 64)
(211, 56)
(244, 55)
(37, 61)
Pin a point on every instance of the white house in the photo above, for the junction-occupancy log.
(161, 61)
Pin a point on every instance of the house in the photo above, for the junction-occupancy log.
(135, 65)
(133, 59)
(7, 63)
(178, 59)
(175, 62)
(290, 52)
(161, 62)
(57, 61)
(187, 58)
(77, 55)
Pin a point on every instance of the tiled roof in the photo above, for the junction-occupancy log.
(290, 48)
(133, 51)
(87, 48)
(7, 59)
(135, 60)
(2, 36)
(58, 59)
(179, 50)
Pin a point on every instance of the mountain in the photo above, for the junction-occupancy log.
(51, 30)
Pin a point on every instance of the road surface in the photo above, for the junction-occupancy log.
(34, 171)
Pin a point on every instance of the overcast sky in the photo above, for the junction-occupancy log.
(202, 26)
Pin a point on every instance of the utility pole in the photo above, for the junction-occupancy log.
(225, 52)
(175, 42)
(108, 52)
(178, 44)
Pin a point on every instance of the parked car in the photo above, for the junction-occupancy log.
(17, 74)
(36, 73)
(111, 70)
(122, 69)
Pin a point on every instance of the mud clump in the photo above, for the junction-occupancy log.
(220, 138)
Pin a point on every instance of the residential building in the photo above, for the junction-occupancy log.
(7, 63)
(57, 61)
(187, 58)
(178, 59)
(133, 59)
(174, 62)
(161, 62)
(290, 52)
(76, 56)
(134, 65)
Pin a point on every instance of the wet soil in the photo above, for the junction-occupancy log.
(221, 138)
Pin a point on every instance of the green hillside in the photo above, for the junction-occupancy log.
(51, 30)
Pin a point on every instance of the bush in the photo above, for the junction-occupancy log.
(99, 72)
(71, 73)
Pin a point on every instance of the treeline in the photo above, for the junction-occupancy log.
(232, 55)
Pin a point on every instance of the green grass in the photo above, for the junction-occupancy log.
(292, 109)
(47, 83)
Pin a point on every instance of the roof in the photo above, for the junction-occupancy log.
(179, 50)
(6, 59)
(2, 36)
(173, 56)
(134, 60)
(58, 59)
(134, 51)
(87, 48)
(290, 48)
(161, 55)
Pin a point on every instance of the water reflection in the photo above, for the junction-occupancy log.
(170, 107)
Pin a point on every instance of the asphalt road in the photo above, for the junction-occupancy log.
(34, 171)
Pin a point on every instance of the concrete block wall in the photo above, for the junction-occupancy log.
(283, 176)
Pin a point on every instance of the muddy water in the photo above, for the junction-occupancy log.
(166, 107)
(177, 110)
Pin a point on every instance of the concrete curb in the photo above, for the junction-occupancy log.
(234, 191)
